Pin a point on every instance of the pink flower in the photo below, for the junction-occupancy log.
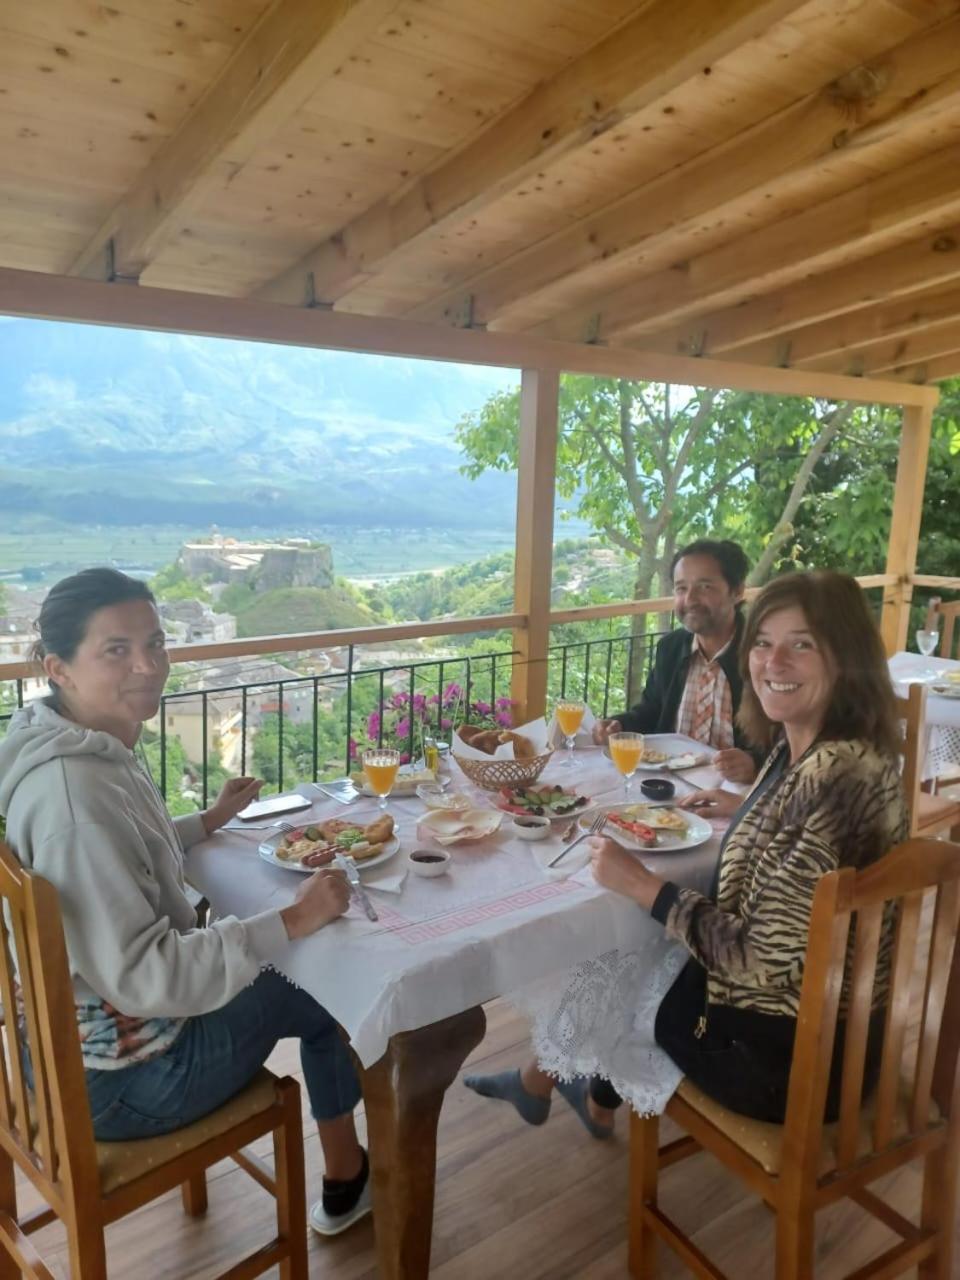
(402, 729)
(482, 708)
(504, 719)
(353, 748)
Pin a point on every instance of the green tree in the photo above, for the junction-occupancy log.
(172, 583)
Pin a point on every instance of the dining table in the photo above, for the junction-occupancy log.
(942, 725)
(408, 988)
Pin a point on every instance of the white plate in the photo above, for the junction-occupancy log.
(589, 807)
(268, 852)
(405, 785)
(444, 826)
(690, 762)
(698, 832)
(943, 690)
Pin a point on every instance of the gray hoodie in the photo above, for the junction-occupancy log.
(82, 812)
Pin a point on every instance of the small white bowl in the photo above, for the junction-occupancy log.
(433, 796)
(428, 862)
(531, 826)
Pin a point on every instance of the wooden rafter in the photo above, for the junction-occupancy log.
(888, 210)
(945, 366)
(668, 42)
(932, 260)
(899, 355)
(847, 122)
(864, 327)
(272, 73)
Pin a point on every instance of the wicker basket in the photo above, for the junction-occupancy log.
(491, 775)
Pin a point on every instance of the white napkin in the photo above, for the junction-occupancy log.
(584, 733)
(535, 731)
(545, 851)
(392, 883)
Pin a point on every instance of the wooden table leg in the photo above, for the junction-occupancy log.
(402, 1094)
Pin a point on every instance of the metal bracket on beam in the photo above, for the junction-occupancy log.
(310, 299)
(112, 275)
(783, 354)
(697, 345)
(460, 314)
(591, 331)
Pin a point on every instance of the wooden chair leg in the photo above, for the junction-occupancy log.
(8, 1204)
(644, 1167)
(193, 1192)
(87, 1249)
(291, 1185)
(938, 1212)
(794, 1250)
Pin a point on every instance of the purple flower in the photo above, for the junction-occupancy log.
(504, 702)
(373, 725)
(402, 728)
(398, 701)
(434, 699)
(353, 748)
(419, 701)
(504, 719)
(452, 692)
(446, 724)
(404, 757)
(482, 708)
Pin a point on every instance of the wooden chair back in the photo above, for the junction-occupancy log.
(949, 613)
(846, 953)
(37, 994)
(912, 710)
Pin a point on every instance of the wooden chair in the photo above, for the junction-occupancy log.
(929, 814)
(949, 613)
(914, 1112)
(48, 1134)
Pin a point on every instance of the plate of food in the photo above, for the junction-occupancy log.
(408, 779)
(457, 828)
(542, 800)
(308, 847)
(653, 758)
(654, 827)
(946, 684)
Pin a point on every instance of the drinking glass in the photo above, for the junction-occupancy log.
(926, 643)
(626, 752)
(380, 764)
(569, 718)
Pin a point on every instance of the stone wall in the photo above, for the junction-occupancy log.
(293, 567)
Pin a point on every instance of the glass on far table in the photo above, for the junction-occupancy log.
(380, 764)
(626, 752)
(569, 714)
(927, 641)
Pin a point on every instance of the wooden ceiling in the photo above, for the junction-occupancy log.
(773, 182)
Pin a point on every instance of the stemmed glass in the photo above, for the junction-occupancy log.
(626, 752)
(926, 643)
(569, 718)
(380, 764)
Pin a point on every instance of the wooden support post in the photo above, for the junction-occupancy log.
(533, 569)
(905, 523)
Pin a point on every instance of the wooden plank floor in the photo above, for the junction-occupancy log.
(544, 1204)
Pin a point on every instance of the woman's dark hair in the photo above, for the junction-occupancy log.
(730, 556)
(70, 604)
(862, 701)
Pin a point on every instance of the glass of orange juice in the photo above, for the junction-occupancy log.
(569, 718)
(380, 764)
(626, 752)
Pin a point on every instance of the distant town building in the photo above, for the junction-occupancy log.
(193, 622)
(266, 566)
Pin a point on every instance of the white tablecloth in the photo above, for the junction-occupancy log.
(943, 714)
(496, 923)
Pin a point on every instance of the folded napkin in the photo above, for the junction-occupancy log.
(391, 883)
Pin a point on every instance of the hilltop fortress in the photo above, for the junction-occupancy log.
(265, 566)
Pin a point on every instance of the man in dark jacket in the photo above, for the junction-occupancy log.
(694, 685)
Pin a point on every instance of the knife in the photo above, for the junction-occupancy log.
(349, 867)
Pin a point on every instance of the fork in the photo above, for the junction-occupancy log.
(596, 826)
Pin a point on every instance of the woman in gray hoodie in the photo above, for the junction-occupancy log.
(173, 1019)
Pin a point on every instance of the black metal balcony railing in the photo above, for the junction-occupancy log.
(307, 713)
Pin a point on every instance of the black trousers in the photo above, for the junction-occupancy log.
(743, 1059)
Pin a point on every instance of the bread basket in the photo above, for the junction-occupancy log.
(491, 775)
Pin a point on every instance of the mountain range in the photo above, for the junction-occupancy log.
(112, 426)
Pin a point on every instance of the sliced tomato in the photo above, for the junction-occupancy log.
(639, 830)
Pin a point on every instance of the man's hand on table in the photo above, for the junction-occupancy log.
(614, 868)
(322, 898)
(235, 795)
(735, 765)
(602, 730)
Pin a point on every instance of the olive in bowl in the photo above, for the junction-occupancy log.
(531, 826)
(658, 789)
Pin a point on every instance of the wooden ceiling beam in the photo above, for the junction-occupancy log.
(866, 326)
(930, 371)
(667, 43)
(294, 45)
(932, 260)
(894, 355)
(878, 214)
(849, 118)
(52, 297)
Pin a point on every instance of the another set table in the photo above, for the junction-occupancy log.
(408, 989)
(943, 714)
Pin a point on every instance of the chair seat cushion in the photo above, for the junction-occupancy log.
(764, 1142)
(123, 1162)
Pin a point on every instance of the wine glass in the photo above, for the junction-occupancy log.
(569, 718)
(926, 642)
(626, 752)
(380, 764)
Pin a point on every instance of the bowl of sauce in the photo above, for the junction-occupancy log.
(428, 862)
(658, 789)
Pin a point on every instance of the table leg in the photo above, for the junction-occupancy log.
(402, 1094)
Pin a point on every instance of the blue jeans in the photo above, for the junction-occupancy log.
(216, 1054)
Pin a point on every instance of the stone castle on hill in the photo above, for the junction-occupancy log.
(265, 566)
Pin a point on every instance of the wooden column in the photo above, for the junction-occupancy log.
(905, 523)
(533, 571)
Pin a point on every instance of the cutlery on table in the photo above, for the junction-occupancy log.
(349, 867)
(596, 826)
